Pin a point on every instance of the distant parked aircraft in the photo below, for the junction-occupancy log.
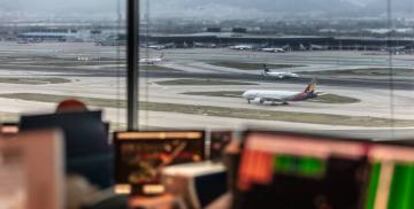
(242, 47)
(278, 74)
(302, 47)
(204, 45)
(151, 61)
(274, 50)
(160, 46)
(317, 47)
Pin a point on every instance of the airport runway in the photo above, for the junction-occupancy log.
(193, 63)
(401, 84)
(105, 80)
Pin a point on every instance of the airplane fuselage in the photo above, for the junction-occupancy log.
(274, 50)
(150, 60)
(280, 75)
(241, 47)
(262, 96)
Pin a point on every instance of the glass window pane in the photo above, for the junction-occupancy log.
(221, 64)
(53, 50)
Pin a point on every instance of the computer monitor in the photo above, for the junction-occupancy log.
(218, 142)
(141, 156)
(281, 170)
(302, 171)
(391, 177)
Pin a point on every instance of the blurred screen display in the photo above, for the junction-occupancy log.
(141, 156)
(218, 142)
(391, 177)
(292, 171)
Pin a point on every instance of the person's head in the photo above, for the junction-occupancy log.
(71, 105)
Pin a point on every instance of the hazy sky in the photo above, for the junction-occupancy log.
(100, 5)
(204, 8)
(60, 6)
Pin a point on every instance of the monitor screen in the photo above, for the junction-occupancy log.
(141, 156)
(391, 178)
(285, 170)
(301, 172)
(218, 142)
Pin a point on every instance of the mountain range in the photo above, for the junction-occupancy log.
(244, 8)
(224, 9)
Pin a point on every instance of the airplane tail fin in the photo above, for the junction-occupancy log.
(265, 69)
(311, 88)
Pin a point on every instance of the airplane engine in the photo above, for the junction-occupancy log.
(258, 101)
(313, 95)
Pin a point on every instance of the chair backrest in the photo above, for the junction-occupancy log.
(86, 143)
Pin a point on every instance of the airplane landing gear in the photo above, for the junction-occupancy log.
(285, 103)
(248, 101)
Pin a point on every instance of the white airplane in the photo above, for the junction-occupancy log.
(317, 47)
(159, 46)
(262, 96)
(151, 61)
(277, 74)
(274, 50)
(302, 47)
(204, 45)
(156, 47)
(242, 47)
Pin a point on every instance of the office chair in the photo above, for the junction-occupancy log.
(88, 152)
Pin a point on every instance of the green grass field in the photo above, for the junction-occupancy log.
(33, 81)
(157, 68)
(325, 98)
(251, 66)
(363, 72)
(232, 94)
(200, 82)
(244, 113)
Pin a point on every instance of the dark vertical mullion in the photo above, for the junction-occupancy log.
(132, 63)
(390, 64)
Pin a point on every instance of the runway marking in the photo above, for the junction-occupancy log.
(371, 72)
(252, 65)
